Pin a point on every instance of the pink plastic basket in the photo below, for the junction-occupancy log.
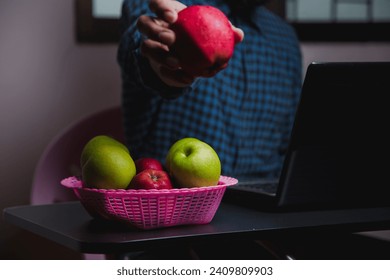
(147, 209)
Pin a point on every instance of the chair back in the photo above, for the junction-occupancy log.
(61, 158)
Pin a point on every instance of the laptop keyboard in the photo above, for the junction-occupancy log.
(258, 187)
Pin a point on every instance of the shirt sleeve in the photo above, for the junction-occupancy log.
(135, 68)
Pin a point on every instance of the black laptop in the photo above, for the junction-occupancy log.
(338, 155)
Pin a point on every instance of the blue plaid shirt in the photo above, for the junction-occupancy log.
(245, 112)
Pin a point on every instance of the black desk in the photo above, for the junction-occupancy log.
(70, 225)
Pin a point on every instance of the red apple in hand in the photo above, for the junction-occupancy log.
(205, 40)
(151, 179)
(142, 164)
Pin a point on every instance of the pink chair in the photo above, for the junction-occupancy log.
(61, 158)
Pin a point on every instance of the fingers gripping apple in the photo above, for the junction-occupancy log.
(205, 40)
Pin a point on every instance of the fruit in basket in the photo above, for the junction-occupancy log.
(96, 142)
(151, 179)
(142, 164)
(205, 40)
(106, 163)
(193, 163)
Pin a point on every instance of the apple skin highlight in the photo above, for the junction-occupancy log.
(151, 179)
(193, 163)
(142, 164)
(106, 164)
(205, 40)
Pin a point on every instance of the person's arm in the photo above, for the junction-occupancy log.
(134, 55)
(144, 51)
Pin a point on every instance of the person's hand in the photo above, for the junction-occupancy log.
(159, 37)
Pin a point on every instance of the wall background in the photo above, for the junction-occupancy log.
(48, 80)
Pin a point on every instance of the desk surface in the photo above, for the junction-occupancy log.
(70, 225)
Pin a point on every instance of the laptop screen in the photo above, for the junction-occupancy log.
(339, 150)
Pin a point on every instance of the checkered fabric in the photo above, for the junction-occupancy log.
(245, 112)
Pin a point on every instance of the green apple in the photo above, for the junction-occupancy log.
(175, 147)
(106, 163)
(96, 142)
(193, 163)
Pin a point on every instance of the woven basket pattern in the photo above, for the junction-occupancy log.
(147, 209)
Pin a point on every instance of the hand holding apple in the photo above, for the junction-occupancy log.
(176, 50)
(156, 48)
(205, 40)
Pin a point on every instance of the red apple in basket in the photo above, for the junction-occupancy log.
(142, 164)
(205, 40)
(150, 179)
